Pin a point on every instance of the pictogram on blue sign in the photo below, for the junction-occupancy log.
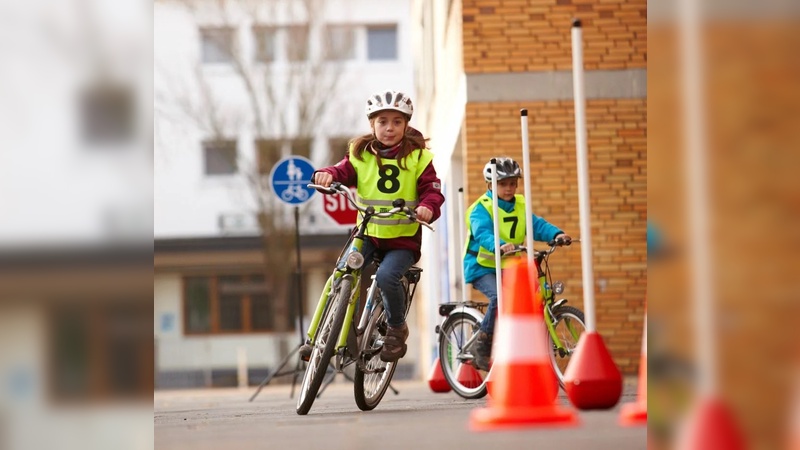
(289, 178)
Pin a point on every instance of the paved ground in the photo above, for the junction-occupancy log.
(415, 419)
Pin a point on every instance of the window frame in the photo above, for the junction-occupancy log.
(214, 306)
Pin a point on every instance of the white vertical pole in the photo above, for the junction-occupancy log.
(583, 174)
(495, 222)
(241, 367)
(526, 176)
(463, 228)
(697, 197)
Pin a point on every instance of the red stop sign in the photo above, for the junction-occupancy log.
(338, 208)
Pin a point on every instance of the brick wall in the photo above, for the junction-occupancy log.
(534, 35)
(617, 140)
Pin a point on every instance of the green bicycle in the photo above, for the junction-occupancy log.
(333, 334)
(458, 333)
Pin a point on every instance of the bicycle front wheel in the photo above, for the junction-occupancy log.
(569, 324)
(324, 346)
(456, 356)
(369, 386)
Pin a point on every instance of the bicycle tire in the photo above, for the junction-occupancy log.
(456, 330)
(369, 388)
(561, 316)
(317, 367)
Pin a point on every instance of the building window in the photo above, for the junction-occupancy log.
(296, 43)
(101, 350)
(233, 304)
(265, 44)
(270, 151)
(108, 114)
(220, 157)
(197, 298)
(340, 43)
(382, 43)
(217, 45)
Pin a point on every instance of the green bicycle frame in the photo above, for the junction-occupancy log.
(547, 299)
(355, 245)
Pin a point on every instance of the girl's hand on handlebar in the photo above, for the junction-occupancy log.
(424, 214)
(323, 179)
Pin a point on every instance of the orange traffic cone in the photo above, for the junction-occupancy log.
(468, 376)
(436, 379)
(636, 413)
(522, 377)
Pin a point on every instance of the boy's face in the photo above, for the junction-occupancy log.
(389, 127)
(506, 189)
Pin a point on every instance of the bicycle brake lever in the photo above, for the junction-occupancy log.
(413, 216)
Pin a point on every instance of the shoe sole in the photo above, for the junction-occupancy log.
(403, 353)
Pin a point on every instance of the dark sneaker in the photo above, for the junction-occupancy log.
(394, 346)
(482, 351)
(305, 351)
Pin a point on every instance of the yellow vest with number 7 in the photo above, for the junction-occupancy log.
(511, 226)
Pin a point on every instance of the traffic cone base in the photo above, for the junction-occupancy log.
(436, 379)
(633, 414)
(592, 379)
(494, 418)
(469, 377)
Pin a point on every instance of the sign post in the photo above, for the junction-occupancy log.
(288, 180)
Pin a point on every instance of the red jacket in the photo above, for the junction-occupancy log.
(429, 189)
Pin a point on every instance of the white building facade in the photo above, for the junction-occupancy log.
(214, 320)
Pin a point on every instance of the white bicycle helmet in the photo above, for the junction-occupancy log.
(506, 168)
(389, 100)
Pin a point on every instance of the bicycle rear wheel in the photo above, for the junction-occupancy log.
(569, 325)
(369, 387)
(324, 346)
(456, 360)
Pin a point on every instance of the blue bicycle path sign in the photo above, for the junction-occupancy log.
(289, 178)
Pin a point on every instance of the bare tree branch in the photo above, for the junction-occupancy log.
(286, 100)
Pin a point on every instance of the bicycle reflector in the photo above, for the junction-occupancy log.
(355, 260)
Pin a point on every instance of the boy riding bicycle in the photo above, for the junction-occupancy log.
(479, 260)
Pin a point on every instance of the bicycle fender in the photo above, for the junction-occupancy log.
(474, 313)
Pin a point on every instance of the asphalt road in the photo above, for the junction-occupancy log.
(415, 419)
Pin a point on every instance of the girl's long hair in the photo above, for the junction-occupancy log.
(412, 140)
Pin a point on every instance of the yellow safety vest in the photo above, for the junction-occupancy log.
(380, 187)
(511, 226)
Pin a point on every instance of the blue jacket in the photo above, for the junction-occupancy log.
(481, 234)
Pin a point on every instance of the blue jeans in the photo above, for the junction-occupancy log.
(394, 265)
(487, 285)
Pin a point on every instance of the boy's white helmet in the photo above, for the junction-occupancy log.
(389, 100)
(506, 168)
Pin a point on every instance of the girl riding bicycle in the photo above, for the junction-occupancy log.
(387, 164)
(479, 261)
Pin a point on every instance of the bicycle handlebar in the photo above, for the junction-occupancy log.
(339, 188)
(553, 245)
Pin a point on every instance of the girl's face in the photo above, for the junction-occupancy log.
(506, 189)
(389, 127)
